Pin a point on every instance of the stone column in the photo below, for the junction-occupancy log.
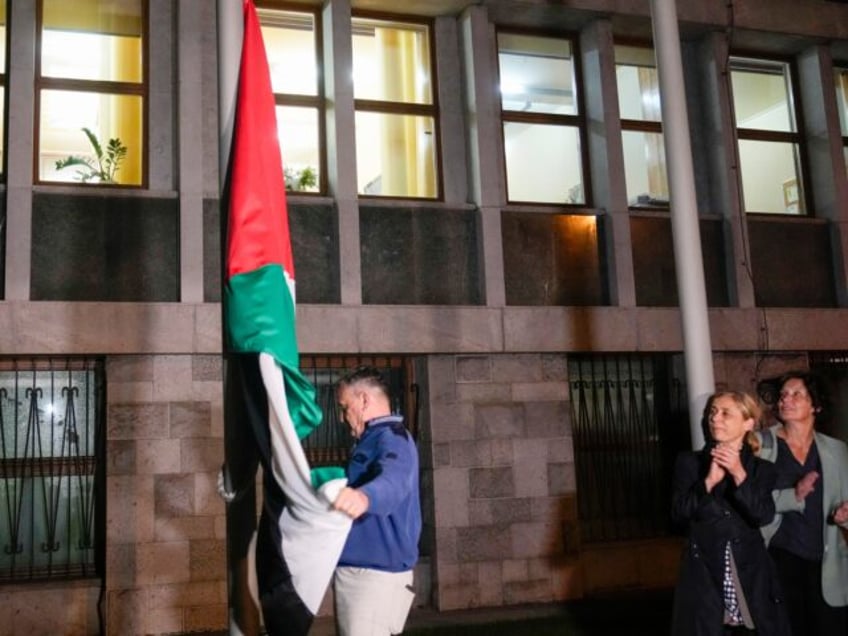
(341, 143)
(485, 144)
(194, 17)
(19, 177)
(722, 159)
(825, 154)
(606, 155)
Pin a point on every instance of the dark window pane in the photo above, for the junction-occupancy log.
(420, 257)
(552, 259)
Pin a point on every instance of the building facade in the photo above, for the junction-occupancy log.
(508, 245)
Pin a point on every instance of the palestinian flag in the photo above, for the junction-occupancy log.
(299, 538)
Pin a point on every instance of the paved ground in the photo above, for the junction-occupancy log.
(635, 614)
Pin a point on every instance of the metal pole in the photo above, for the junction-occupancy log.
(230, 33)
(240, 461)
(689, 263)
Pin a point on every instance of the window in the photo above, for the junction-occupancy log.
(396, 110)
(292, 43)
(542, 124)
(629, 421)
(91, 89)
(3, 22)
(770, 164)
(841, 79)
(51, 469)
(645, 172)
(330, 444)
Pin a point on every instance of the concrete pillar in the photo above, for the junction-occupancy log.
(194, 17)
(606, 157)
(485, 144)
(452, 138)
(19, 131)
(341, 144)
(162, 147)
(823, 139)
(722, 158)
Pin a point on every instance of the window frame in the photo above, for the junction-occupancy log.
(333, 445)
(318, 101)
(642, 125)
(841, 67)
(386, 107)
(627, 412)
(99, 87)
(577, 121)
(63, 467)
(796, 138)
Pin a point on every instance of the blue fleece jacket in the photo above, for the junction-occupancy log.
(384, 465)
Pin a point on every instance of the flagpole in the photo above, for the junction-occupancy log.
(240, 464)
(689, 263)
(230, 32)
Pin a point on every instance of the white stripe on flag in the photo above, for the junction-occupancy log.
(313, 534)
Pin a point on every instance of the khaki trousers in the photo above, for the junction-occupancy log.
(371, 602)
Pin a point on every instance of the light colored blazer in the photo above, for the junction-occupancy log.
(833, 454)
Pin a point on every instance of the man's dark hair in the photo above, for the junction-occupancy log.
(365, 376)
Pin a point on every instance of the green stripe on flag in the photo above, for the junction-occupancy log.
(323, 474)
(260, 316)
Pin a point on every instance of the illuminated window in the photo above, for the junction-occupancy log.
(841, 78)
(641, 128)
(293, 49)
(542, 123)
(396, 114)
(91, 91)
(770, 165)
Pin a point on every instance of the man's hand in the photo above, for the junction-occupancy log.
(354, 503)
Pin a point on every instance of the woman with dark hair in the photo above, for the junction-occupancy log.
(811, 498)
(723, 494)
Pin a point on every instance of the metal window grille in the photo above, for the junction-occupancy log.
(628, 421)
(51, 468)
(330, 444)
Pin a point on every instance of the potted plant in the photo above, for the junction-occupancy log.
(103, 166)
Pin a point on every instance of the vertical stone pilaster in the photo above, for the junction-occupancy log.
(165, 550)
(504, 483)
(606, 155)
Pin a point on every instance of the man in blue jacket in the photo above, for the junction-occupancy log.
(373, 581)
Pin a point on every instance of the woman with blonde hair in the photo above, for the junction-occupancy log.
(722, 494)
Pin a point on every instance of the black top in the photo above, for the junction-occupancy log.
(727, 514)
(800, 533)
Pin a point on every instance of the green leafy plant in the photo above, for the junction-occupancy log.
(300, 180)
(103, 166)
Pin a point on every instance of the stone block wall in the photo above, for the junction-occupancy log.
(503, 480)
(741, 371)
(165, 528)
(498, 488)
(50, 608)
